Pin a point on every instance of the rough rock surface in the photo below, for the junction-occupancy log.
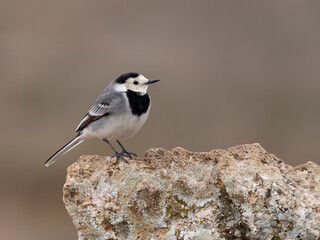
(241, 192)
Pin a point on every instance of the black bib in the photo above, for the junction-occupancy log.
(139, 104)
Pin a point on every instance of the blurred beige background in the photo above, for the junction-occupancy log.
(232, 72)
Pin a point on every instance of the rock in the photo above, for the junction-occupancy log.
(242, 192)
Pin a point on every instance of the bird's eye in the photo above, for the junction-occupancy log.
(135, 82)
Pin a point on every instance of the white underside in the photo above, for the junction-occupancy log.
(115, 127)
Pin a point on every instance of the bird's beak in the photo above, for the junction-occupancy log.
(152, 81)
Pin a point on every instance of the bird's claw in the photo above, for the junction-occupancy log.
(119, 156)
(128, 154)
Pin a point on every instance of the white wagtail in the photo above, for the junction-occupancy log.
(118, 113)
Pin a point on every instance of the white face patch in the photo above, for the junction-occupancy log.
(120, 87)
(137, 84)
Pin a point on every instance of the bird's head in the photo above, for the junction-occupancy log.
(134, 82)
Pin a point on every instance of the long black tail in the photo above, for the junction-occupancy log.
(66, 148)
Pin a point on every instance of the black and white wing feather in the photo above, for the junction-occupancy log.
(102, 108)
(97, 111)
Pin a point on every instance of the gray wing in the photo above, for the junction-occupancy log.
(105, 105)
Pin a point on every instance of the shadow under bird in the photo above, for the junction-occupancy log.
(118, 113)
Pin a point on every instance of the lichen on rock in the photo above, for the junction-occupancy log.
(241, 192)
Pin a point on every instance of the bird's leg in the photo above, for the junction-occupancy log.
(116, 154)
(125, 152)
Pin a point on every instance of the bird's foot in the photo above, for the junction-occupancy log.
(128, 154)
(120, 156)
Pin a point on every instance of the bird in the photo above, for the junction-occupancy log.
(117, 114)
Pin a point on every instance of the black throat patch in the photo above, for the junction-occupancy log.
(139, 104)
